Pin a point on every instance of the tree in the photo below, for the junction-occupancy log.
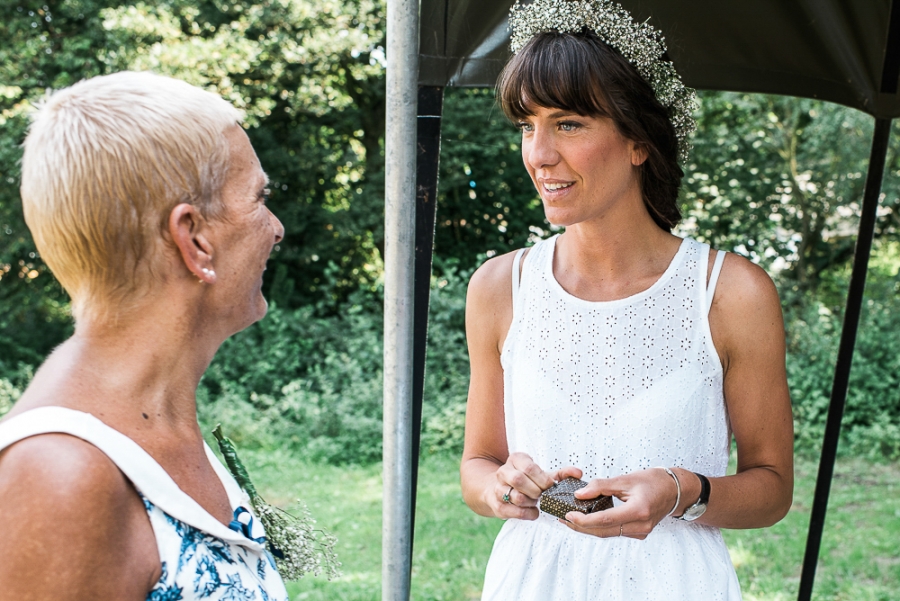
(777, 179)
(310, 79)
(51, 46)
(780, 180)
(487, 204)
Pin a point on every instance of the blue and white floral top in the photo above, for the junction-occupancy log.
(201, 557)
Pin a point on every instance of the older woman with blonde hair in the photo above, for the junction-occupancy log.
(147, 201)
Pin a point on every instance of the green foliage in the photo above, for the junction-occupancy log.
(776, 179)
(871, 422)
(299, 380)
(315, 383)
(13, 382)
(9, 394)
(487, 204)
(780, 180)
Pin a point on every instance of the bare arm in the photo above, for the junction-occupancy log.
(748, 331)
(748, 327)
(488, 471)
(74, 527)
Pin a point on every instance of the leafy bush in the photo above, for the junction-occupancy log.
(309, 382)
(315, 383)
(9, 394)
(871, 421)
(13, 382)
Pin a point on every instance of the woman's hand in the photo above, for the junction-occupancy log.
(518, 485)
(647, 497)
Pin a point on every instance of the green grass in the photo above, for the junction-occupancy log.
(860, 557)
(860, 554)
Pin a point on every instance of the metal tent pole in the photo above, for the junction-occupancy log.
(399, 249)
(428, 150)
(845, 354)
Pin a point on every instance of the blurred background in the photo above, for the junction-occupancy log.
(776, 179)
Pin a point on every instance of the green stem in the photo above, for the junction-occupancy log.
(234, 464)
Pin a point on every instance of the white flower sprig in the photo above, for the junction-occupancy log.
(304, 549)
(640, 43)
(298, 546)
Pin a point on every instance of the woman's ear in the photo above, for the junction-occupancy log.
(188, 230)
(638, 155)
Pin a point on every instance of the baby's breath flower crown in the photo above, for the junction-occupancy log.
(640, 43)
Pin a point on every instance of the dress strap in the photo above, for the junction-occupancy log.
(147, 476)
(714, 278)
(515, 275)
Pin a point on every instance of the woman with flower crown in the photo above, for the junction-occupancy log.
(616, 352)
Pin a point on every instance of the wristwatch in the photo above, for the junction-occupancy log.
(699, 508)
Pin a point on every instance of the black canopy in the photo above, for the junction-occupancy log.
(836, 50)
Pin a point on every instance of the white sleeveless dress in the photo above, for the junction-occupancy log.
(201, 557)
(613, 387)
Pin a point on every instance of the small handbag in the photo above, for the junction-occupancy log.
(559, 499)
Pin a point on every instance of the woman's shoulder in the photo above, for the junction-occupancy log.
(741, 282)
(60, 465)
(745, 315)
(54, 477)
(494, 276)
(739, 278)
(67, 506)
(489, 302)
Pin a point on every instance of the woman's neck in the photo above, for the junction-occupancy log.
(608, 261)
(134, 374)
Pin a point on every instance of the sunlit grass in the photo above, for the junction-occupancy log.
(860, 549)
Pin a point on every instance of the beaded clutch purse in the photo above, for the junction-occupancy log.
(559, 499)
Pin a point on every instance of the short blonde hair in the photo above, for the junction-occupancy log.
(105, 162)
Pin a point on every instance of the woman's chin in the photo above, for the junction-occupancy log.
(262, 307)
(256, 310)
(558, 218)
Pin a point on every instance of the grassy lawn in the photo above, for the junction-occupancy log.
(860, 557)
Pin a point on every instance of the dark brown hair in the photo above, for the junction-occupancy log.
(579, 72)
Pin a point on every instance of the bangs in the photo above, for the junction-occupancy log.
(552, 71)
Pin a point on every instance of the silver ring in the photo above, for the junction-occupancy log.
(506, 498)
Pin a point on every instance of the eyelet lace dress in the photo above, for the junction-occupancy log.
(201, 557)
(613, 387)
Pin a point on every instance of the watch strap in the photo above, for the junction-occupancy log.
(704, 489)
(703, 501)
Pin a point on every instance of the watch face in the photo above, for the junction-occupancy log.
(694, 511)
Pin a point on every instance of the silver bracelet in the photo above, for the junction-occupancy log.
(677, 487)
